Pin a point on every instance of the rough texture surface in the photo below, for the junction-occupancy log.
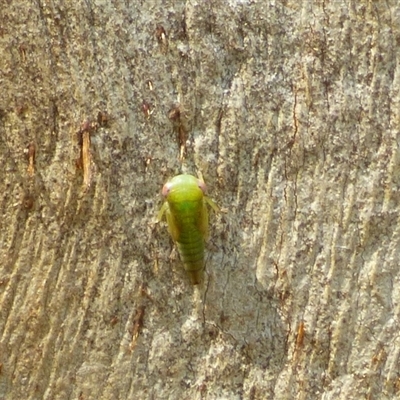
(291, 113)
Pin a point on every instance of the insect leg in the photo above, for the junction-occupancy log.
(172, 226)
(211, 203)
(203, 221)
(162, 211)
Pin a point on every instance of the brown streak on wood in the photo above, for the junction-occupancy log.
(86, 159)
(31, 159)
(175, 116)
(137, 326)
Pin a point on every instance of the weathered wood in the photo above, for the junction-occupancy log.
(291, 113)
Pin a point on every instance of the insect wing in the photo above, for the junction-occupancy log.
(203, 221)
(172, 225)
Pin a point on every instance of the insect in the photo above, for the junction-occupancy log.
(187, 217)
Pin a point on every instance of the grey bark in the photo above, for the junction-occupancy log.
(291, 114)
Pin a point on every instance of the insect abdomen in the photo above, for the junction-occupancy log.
(191, 250)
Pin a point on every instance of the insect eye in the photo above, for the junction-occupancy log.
(165, 190)
(202, 186)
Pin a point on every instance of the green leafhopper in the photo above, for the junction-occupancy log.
(187, 218)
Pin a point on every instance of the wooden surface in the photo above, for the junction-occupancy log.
(290, 112)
